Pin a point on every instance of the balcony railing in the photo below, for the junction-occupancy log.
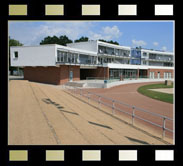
(160, 60)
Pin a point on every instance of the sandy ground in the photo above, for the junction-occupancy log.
(164, 90)
(39, 114)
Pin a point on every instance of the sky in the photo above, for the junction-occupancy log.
(157, 35)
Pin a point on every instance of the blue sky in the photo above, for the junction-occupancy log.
(152, 35)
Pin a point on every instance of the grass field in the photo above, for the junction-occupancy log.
(157, 95)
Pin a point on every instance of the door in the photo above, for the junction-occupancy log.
(71, 76)
(152, 75)
(165, 75)
(169, 75)
(158, 75)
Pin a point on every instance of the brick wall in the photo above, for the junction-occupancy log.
(99, 72)
(102, 72)
(42, 74)
(51, 75)
(64, 74)
(162, 71)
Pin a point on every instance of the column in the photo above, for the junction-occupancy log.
(137, 76)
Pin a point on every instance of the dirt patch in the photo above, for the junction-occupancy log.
(164, 90)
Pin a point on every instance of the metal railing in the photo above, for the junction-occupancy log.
(130, 110)
(129, 77)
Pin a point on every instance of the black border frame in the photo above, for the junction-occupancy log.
(72, 11)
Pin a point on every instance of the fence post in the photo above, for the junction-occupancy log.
(88, 97)
(99, 101)
(113, 107)
(75, 91)
(164, 123)
(133, 114)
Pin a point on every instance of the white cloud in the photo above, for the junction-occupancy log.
(31, 33)
(112, 31)
(155, 43)
(71, 29)
(164, 48)
(106, 33)
(139, 42)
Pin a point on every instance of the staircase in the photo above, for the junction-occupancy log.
(75, 84)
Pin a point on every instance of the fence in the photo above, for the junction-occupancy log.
(111, 79)
(130, 110)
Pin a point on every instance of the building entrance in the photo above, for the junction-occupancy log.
(124, 73)
(70, 76)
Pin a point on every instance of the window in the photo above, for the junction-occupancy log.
(144, 63)
(144, 54)
(151, 74)
(16, 55)
(62, 57)
(169, 75)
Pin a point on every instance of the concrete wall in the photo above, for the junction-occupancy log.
(90, 46)
(51, 75)
(43, 55)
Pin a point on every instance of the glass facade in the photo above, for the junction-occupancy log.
(119, 56)
(113, 51)
(124, 73)
(68, 57)
(135, 57)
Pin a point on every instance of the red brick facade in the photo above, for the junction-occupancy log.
(101, 72)
(161, 71)
(51, 75)
(60, 75)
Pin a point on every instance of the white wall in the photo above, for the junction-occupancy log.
(90, 46)
(128, 66)
(43, 55)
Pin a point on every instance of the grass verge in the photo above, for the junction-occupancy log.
(156, 95)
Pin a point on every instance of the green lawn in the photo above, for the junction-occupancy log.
(156, 95)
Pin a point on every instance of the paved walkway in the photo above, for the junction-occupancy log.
(42, 115)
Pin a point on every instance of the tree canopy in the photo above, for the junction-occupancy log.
(13, 42)
(62, 40)
(81, 39)
(110, 41)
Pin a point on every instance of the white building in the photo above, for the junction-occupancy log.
(59, 64)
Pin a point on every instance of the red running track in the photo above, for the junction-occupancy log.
(128, 94)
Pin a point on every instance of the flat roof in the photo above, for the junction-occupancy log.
(113, 45)
(76, 50)
(61, 47)
(99, 43)
(157, 52)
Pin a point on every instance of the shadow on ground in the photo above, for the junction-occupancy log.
(137, 141)
(58, 106)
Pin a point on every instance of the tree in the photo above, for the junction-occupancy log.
(81, 39)
(110, 41)
(13, 42)
(139, 47)
(62, 40)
